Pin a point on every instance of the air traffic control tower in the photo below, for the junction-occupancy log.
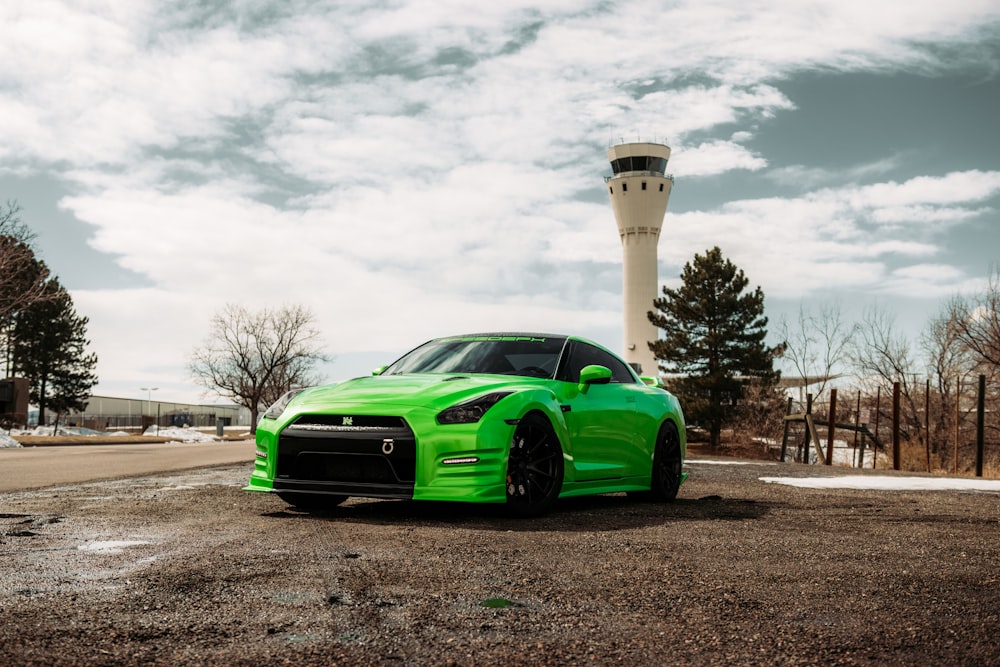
(639, 190)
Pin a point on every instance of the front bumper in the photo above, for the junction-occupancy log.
(411, 457)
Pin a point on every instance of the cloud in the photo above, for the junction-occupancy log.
(717, 157)
(809, 178)
(953, 188)
(852, 237)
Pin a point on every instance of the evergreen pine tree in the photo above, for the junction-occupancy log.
(713, 339)
(49, 348)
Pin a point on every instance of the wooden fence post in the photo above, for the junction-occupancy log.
(980, 423)
(878, 408)
(896, 463)
(857, 429)
(784, 438)
(958, 417)
(831, 427)
(927, 421)
(807, 443)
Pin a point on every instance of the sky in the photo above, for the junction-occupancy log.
(413, 169)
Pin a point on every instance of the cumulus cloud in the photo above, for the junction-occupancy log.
(714, 158)
(841, 236)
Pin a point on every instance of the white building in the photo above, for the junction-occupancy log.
(108, 412)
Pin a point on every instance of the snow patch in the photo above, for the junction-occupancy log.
(61, 430)
(886, 483)
(64, 431)
(8, 442)
(110, 546)
(179, 434)
(729, 463)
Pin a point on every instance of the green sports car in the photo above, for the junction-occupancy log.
(520, 419)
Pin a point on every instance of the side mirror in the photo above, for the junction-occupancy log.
(652, 381)
(594, 374)
(379, 370)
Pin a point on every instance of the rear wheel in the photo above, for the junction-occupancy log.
(312, 501)
(667, 463)
(534, 467)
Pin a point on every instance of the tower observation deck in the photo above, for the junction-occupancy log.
(639, 190)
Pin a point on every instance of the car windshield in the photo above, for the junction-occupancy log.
(530, 356)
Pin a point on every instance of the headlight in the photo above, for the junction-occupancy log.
(470, 411)
(279, 405)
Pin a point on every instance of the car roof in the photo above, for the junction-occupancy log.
(524, 334)
(527, 334)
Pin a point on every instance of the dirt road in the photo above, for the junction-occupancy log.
(187, 569)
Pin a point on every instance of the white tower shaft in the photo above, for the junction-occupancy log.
(639, 191)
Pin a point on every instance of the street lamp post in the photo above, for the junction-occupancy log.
(149, 401)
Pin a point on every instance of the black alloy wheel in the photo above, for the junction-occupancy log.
(667, 464)
(534, 467)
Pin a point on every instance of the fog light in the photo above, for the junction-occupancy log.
(461, 460)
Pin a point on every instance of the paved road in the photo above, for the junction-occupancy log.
(37, 467)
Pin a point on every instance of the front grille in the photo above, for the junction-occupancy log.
(349, 423)
(367, 455)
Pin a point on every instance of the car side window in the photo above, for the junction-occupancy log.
(581, 355)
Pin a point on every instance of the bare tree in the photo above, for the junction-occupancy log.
(253, 358)
(816, 344)
(881, 356)
(950, 363)
(760, 415)
(11, 225)
(978, 321)
(22, 276)
(973, 349)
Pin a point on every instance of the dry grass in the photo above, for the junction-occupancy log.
(913, 458)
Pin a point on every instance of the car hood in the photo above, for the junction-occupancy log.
(432, 390)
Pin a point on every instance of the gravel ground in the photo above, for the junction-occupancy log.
(188, 569)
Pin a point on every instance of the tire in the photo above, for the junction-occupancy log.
(665, 478)
(534, 467)
(312, 501)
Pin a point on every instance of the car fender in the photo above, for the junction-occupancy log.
(546, 403)
(675, 415)
(655, 409)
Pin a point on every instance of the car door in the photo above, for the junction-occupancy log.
(600, 419)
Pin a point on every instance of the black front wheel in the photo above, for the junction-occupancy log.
(534, 467)
(667, 464)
